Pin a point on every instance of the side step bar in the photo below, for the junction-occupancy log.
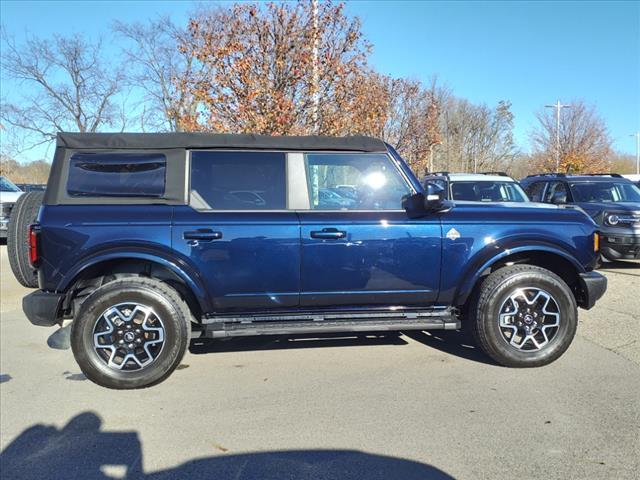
(235, 326)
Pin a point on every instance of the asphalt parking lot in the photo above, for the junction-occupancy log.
(414, 406)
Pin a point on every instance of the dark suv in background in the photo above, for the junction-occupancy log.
(610, 199)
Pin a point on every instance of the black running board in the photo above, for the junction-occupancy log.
(236, 326)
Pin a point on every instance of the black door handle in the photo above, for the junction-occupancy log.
(328, 233)
(205, 235)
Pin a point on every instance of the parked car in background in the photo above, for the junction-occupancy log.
(9, 194)
(478, 187)
(144, 241)
(31, 187)
(611, 200)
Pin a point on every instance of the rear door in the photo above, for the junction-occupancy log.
(238, 231)
(362, 249)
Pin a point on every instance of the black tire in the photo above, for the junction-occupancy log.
(493, 295)
(23, 214)
(163, 300)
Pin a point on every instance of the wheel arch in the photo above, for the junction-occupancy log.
(559, 262)
(92, 273)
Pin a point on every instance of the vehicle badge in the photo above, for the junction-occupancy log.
(453, 234)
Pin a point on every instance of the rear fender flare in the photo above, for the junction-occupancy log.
(181, 269)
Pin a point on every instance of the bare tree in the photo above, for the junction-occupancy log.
(476, 137)
(67, 86)
(157, 66)
(413, 120)
(585, 145)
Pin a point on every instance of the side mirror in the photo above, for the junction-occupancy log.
(434, 197)
(421, 203)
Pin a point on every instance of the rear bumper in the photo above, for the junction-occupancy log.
(592, 285)
(43, 308)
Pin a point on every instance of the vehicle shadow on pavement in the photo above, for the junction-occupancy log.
(619, 266)
(457, 343)
(81, 451)
(285, 342)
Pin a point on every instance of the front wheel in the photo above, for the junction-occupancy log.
(131, 333)
(524, 316)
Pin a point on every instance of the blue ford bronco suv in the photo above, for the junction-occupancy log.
(148, 240)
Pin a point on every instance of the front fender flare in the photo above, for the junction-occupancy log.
(474, 272)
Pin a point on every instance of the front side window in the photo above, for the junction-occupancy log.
(238, 180)
(354, 181)
(556, 190)
(488, 192)
(605, 192)
(117, 175)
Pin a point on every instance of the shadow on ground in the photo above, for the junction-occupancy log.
(285, 342)
(459, 344)
(81, 451)
(619, 267)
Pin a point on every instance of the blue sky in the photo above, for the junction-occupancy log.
(531, 53)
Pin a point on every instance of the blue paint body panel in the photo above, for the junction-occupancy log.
(254, 265)
(384, 258)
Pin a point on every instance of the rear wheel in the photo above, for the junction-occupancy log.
(23, 214)
(524, 316)
(131, 333)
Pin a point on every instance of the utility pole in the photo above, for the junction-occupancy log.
(558, 106)
(637, 135)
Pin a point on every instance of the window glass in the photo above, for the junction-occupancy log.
(535, 191)
(487, 191)
(354, 182)
(556, 190)
(117, 175)
(605, 192)
(238, 180)
(7, 186)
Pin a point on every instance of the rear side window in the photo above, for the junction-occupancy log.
(238, 180)
(535, 191)
(117, 175)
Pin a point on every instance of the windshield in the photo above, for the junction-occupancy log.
(488, 192)
(605, 192)
(7, 186)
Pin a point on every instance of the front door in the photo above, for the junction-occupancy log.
(359, 248)
(238, 233)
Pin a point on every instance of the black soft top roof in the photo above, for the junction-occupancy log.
(155, 141)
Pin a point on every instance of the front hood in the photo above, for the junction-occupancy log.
(9, 197)
(593, 208)
(596, 210)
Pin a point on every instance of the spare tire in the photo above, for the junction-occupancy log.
(23, 214)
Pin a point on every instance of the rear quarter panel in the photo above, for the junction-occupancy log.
(75, 236)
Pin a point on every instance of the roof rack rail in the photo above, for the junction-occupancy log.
(615, 175)
(549, 174)
(500, 174)
(439, 174)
